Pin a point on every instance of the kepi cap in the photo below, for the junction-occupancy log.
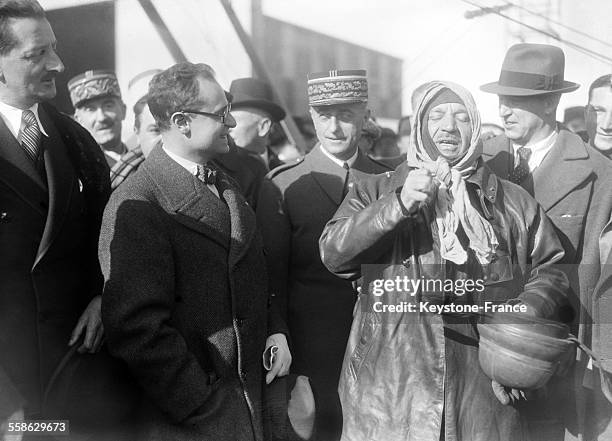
(337, 87)
(93, 84)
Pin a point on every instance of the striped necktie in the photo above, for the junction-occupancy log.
(345, 188)
(30, 135)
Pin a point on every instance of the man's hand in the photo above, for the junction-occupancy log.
(91, 323)
(5, 435)
(418, 187)
(282, 357)
(508, 395)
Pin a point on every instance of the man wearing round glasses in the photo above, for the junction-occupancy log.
(186, 291)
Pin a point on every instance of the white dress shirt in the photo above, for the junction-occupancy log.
(539, 150)
(12, 118)
(190, 166)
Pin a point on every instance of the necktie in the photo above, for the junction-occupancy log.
(30, 135)
(345, 188)
(522, 169)
(207, 174)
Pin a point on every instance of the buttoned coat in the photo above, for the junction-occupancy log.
(295, 203)
(185, 302)
(49, 229)
(574, 186)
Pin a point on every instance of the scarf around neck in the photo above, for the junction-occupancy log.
(451, 201)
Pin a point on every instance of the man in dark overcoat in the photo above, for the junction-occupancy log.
(295, 203)
(53, 187)
(186, 298)
(573, 183)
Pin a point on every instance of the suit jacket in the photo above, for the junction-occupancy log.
(574, 186)
(185, 302)
(247, 170)
(49, 228)
(295, 203)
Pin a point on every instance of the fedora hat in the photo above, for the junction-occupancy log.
(531, 69)
(251, 92)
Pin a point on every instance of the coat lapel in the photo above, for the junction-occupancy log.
(60, 180)
(18, 172)
(562, 170)
(326, 173)
(242, 220)
(188, 200)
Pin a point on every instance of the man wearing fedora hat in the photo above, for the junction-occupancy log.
(255, 111)
(573, 183)
(295, 203)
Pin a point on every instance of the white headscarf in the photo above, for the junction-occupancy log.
(452, 202)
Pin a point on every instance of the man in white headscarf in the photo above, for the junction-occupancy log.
(443, 216)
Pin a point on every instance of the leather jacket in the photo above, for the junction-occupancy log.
(416, 375)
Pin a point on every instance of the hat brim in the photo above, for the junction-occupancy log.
(498, 89)
(274, 110)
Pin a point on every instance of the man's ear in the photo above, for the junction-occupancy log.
(264, 126)
(180, 121)
(123, 110)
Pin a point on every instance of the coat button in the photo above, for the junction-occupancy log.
(494, 277)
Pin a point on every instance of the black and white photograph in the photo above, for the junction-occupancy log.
(305, 220)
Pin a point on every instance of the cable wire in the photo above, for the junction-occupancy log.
(577, 31)
(593, 54)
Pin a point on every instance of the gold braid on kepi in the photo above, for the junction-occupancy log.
(337, 87)
(93, 84)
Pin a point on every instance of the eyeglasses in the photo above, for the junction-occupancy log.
(222, 117)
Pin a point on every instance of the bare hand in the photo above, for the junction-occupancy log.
(90, 322)
(282, 359)
(12, 436)
(417, 188)
(508, 395)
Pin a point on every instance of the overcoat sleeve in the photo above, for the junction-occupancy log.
(361, 231)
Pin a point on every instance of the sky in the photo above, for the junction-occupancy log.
(436, 41)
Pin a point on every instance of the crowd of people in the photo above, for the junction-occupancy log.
(197, 282)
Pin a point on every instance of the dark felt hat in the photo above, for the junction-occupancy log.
(251, 92)
(531, 69)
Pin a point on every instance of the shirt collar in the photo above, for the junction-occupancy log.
(350, 161)
(190, 166)
(12, 118)
(539, 150)
(540, 145)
